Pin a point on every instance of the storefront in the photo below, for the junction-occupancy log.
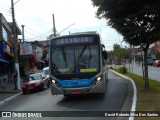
(7, 56)
(26, 56)
(6, 48)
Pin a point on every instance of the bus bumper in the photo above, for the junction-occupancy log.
(99, 88)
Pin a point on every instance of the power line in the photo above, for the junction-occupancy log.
(29, 28)
(4, 6)
(36, 37)
(4, 9)
(8, 11)
(44, 34)
(38, 34)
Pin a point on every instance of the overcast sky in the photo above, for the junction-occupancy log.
(36, 15)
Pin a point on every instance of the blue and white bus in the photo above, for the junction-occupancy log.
(77, 64)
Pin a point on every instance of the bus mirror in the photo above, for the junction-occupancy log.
(103, 46)
(104, 54)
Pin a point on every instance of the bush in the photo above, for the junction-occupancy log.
(123, 70)
(111, 67)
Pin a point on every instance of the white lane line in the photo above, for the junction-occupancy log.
(10, 98)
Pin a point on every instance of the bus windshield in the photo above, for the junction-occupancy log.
(75, 59)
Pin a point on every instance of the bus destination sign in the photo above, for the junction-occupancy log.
(73, 40)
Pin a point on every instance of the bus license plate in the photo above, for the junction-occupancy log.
(76, 92)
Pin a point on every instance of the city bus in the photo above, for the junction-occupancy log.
(77, 64)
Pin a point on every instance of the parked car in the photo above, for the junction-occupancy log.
(156, 63)
(149, 60)
(35, 82)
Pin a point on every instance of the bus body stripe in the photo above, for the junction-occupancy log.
(76, 83)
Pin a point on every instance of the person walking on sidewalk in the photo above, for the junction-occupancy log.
(15, 74)
(4, 80)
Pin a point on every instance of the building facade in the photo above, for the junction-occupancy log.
(6, 45)
(31, 57)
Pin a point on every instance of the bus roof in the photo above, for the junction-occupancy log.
(88, 32)
(77, 34)
(61, 40)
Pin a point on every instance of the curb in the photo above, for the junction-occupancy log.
(9, 99)
(133, 108)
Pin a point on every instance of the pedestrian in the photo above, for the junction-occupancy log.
(5, 80)
(15, 74)
(138, 62)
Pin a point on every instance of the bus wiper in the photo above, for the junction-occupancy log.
(64, 56)
(90, 57)
(84, 48)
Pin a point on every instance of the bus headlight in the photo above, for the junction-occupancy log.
(98, 80)
(55, 83)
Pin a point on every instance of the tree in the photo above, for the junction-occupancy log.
(136, 20)
(118, 51)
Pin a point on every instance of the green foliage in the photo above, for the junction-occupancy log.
(147, 98)
(119, 52)
(111, 67)
(137, 21)
(122, 70)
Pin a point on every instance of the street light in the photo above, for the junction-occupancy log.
(66, 28)
(23, 33)
(16, 2)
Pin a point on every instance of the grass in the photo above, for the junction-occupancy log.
(148, 99)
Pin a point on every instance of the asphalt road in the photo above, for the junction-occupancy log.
(153, 72)
(118, 97)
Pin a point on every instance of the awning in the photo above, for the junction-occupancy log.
(2, 60)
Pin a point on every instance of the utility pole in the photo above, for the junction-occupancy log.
(14, 37)
(23, 33)
(54, 27)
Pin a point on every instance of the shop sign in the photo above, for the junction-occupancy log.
(26, 49)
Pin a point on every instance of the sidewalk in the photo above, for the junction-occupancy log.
(8, 93)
